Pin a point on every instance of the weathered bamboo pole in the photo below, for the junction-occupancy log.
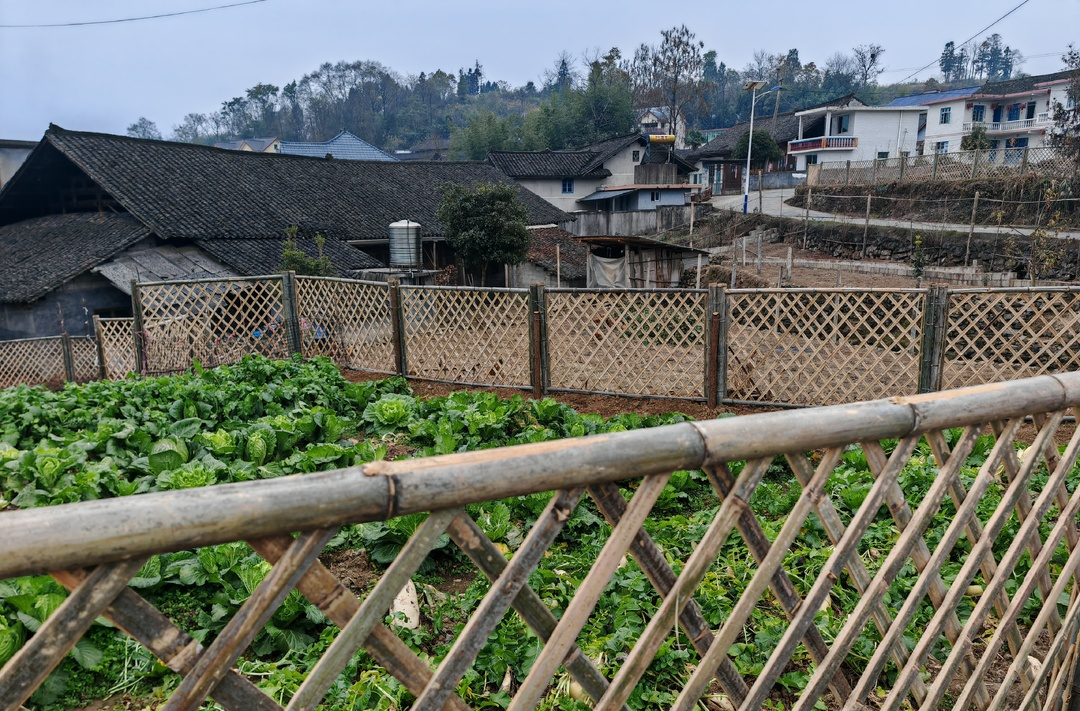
(93, 532)
(971, 229)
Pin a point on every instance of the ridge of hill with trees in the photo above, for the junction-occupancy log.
(577, 101)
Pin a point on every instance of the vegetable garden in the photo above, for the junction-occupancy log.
(263, 419)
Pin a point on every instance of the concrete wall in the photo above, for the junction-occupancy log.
(877, 132)
(773, 181)
(526, 274)
(10, 160)
(953, 132)
(68, 308)
(668, 198)
(622, 165)
(551, 190)
(640, 222)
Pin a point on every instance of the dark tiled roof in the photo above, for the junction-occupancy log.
(572, 253)
(37, 255)
(185, 191)
(1016, 86)
(548, 164)
(659, 155)
(161, 263)
(787, 128)
(255, 257)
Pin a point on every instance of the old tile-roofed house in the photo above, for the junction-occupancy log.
(234, 206)
(577, 179)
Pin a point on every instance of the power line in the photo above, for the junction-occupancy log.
(1025, 2)
(131, 19)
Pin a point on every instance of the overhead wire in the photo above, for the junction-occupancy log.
(130, 19)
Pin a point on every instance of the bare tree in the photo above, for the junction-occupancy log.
(669, 74)
(868, 66)
(144, 128)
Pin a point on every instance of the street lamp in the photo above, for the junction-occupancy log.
(752, 86)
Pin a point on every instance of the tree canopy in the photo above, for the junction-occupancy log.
(765, 148)
(484, 223)
(1065, 135)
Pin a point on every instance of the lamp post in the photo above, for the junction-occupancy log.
(752, 86)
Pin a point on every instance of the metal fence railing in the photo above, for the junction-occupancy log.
(764, 346)
(962, 165)
(943, 576)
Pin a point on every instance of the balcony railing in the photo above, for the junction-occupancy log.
(1018, 125)
(823, 143)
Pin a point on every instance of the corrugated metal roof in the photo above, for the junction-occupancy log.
(162, 263)
(344, 146)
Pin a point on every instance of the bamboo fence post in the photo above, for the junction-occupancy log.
(790, 261)
(1023, 159)
(873, 179)
(292, 319)
(933, 171)
(866, 228)
(99, 342)
(806, 220)
(759, 252)
(397, 324)
(847, 174)
(975, 164)
(558, 267)
(735, 271)
(722, 346)
(712, 342)
(933, 335)
(697, 274)
(138, 337)
(903, 164)
(67, 357)
(760, 192)
(971, 230)
(539, 364)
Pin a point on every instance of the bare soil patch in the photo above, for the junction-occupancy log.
(353, 568)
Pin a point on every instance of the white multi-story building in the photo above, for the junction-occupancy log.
(854, 132)
(1016, 114)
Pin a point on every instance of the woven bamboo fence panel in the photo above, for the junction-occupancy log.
(465, 335)
(118, 344)
(347, 321)
(84, 357)
(214, 322)
(1001, 335)
(981, 535)
(629, 342)
(820, 347)
(32, 361)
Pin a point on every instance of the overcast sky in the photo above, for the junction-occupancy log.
(104, 77)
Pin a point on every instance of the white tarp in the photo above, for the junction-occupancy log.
(607, 272)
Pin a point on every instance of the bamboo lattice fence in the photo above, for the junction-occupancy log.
(974, 651)
(636, 343)
(466, 335)
(963, 165)
(779, 346)
(117, 344)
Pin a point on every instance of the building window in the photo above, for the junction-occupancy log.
(1030, 110)
(882, 155)
(811, 159)
(567, 186)
(905, 154)
(842, 123)
(636, 156)
(946, 115)
(941, 147)
(978, 113)
(1014, 112)
(655, 195)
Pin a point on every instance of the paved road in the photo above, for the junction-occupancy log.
(772, 203)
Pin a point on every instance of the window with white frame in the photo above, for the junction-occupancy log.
(941, 147)
(978, 113)
(567, 186)
(946, 115)
(811, 159)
